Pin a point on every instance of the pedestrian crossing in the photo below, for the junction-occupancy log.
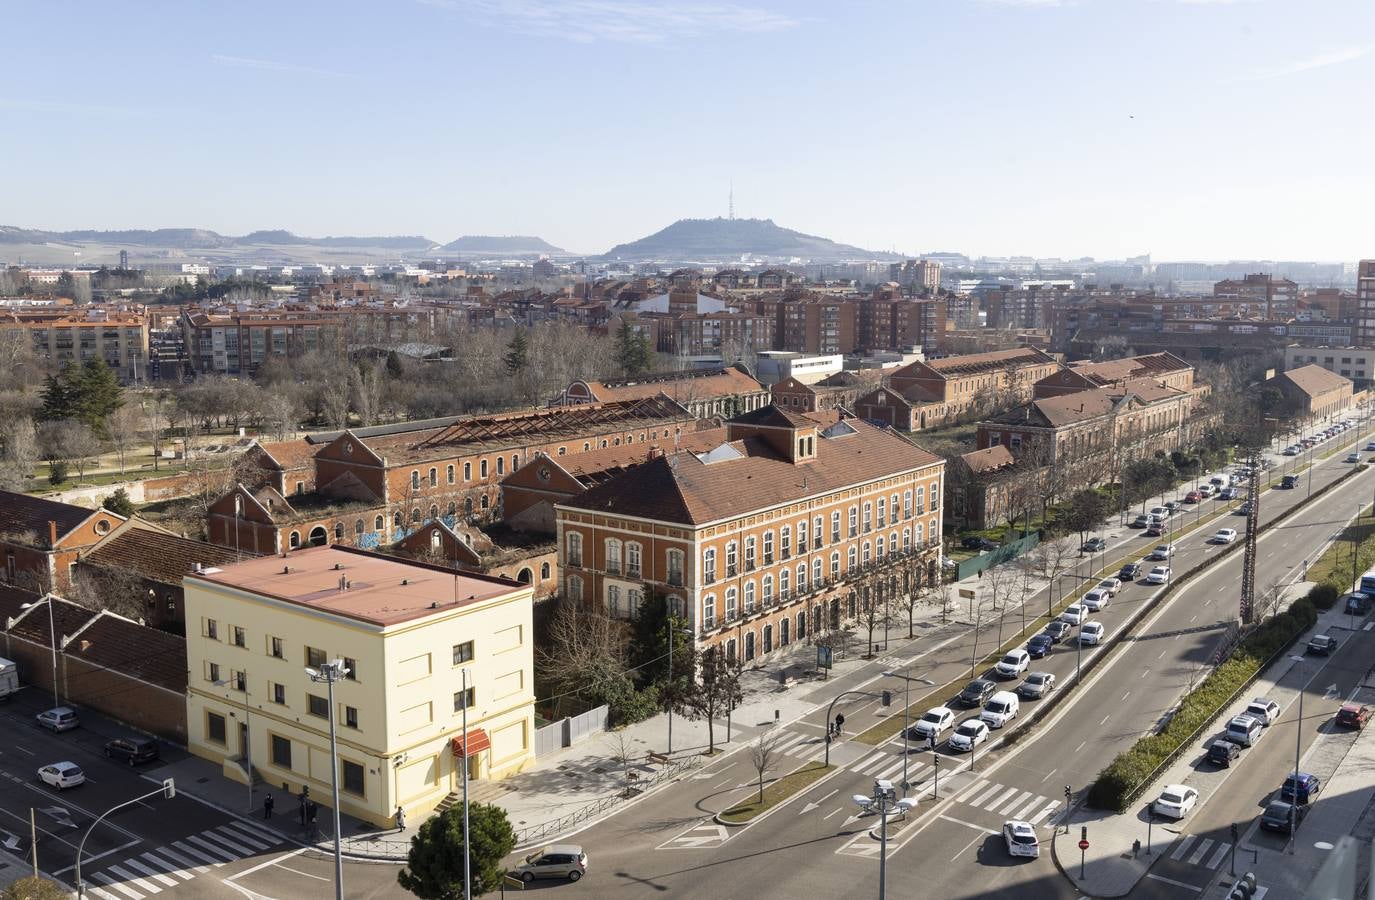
(803, 747)
(884, 764)
(1193, 850)
(1008, 802)
(169, 866)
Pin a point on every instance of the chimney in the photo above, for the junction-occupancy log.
(196, 568)
(654, 452)
(52, 534)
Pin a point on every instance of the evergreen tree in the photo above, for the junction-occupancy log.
(517, 356)
(394, 367)
(434, 865)
(632, 350)
(96, 393)
(649, 642)
(57, 398)
(119, 503)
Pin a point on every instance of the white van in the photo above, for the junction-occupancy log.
(9, 678)
(1000, 709)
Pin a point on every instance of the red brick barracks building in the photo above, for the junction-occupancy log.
(758, 541)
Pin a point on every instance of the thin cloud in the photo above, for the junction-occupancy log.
(626, 21)
(1318, 61)
(270, 65)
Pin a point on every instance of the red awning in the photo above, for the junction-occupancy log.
(475, 742)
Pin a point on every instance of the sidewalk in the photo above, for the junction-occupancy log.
(1110, 869)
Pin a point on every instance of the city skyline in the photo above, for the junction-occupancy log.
(1222, 130)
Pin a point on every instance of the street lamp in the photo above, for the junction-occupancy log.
(1298, 746)
(52, 634)
(247, 735)
(885, 802)
(687, 632)
(906, 710)
(168, 789)
(329, 673)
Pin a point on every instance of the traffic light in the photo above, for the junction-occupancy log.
(169, 788)
(887, 698)
(1068, 794)
(1244, 889)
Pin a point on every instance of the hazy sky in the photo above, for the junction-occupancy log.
(1183, 128)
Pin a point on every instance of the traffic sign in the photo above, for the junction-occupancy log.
(1083, 845)
(966, 594)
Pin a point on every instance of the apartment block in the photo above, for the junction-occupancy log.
(61, 335)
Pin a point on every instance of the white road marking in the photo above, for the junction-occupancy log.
(1026, 810)
(1219, 856)
(1041, 816)
(828, 815)
(306, 874)
(1162, 655)
(1105, 719)
(264, 865)
(1015, 803)
(1000, 801)
(1196, 890)
(1199, 853)
(196, 854)
(1182, 846)
(88, 859)
(23, 749)
(150, 873)
(983, 798)
(110, 882)
(167, 866)
(974, 789)
(177, 857)
(1126, 695)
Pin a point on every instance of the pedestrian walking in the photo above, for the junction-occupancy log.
(268, 803)
(400, 819)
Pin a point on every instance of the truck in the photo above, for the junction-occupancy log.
(9, 678)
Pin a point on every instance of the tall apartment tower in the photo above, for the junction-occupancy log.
(1365, 303)
(124, 260)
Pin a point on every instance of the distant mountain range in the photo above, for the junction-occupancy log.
(515, 243)
(720, 239)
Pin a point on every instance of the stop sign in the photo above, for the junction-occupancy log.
(1083, 845)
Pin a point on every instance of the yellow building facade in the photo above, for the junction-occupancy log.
(409, 634)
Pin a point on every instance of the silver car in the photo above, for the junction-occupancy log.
(555, 861)
(60, 718)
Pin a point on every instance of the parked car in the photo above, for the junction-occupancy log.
(1322, 643)
(974, 542)
(1096, 599)
(1111, 585)
(1092, 633)
(1353, 715)
(1141, 521)
(1039, 645)
(1075, 614)
(1358, 604)
(59, 718)
(1162, 552)
(1000, 709)
(1282, 816)
(133, 750)
(1129, 572)
(1057, 630)
(1206, 491)
(970, 734)
(1221, 753)
(1021, 840)
(1243, 730)
(933, 723)
(1037, 684)
(1264, 709)
(1300, 785)
(1159, 575)
(976, 692)
(1094, 545)
(62, 775)
(1193, 497)
(1289, 481)
(1172, 506)
(1223, 536)
(1292, 450)
(1353, 457)
(555, 861)
(1176, 801)
(1161, 511)
(1013, 663)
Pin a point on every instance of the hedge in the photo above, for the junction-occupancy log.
(1118, 784)
(1324, 596)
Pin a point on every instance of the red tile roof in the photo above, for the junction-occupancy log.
(156, 556)
(21, 513)
(128, 648)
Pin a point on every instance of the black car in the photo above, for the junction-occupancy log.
(1058, 630)
(1322, 643)
(1094, 545)
(976, 692)
(1221, 753)
(1129, 572)
(1039, 645)
(133, 750)
(1290, 481)
(1282, 816)
(978, 543)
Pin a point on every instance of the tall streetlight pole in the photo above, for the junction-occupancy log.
(906, 709)
(52, 633)
(329, 673)
(885, 802)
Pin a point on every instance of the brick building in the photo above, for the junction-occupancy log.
(838, 391)
(765, 540)
(702, 392)
(1316, 392)
(1279, 296)
(1365, 303)
(63, 334)
(1164, 367)
(41, 540)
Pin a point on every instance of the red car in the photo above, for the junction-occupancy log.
(1192, 497)
(1353, 715)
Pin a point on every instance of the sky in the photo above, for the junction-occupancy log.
(1187, 129)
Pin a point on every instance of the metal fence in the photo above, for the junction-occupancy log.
(1009, 550)
(568, 731)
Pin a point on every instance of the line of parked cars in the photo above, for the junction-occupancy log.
(66, 774)
(1327, 434)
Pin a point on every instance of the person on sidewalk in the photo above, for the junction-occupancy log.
(400, 819)
(268, 803)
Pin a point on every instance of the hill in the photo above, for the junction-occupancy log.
(203, 239)
(708, 239)
(514, 243)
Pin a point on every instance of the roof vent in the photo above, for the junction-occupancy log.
(338, 566)
(434, 604)
(405, 581)
(286, 570)
(196, 567)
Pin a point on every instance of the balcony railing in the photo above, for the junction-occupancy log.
(634, 572)
(730, 571)
(675, 579)
(613, 568)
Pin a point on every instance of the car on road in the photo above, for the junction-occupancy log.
(555, 861)
(1370, 445)
(1075, 614)
(1129, 572)
(976, 692)
(1302, 785)
(1353, 457)
(1289, 481)
(1111, 585)
(1322, 643)
(1141, 521)
(1243, 510)
(1228, 493)
(1206, 490)
(1000, 709)
(1159, 575)
(59, 718)
(1293, 450)
(1221, 753)
(1058, 630)
(970, 734)
(1223, 536)
(1172, 506)
(1039, 645)
(1094, 545)
(1162, 552)
(1175, 801)
(62, 775)
(933, 723)
(1020, 838)
(1353, 715)
(1263, 708)
(1013, 663)
(133, 750)
(1193, 497)
(1037, 684)
(1243, 730)
(1156, 531)
(1358, 604)
(1282, 816)
(1092, 633)
(1096, 600)
(1161, 511)
(974, 542)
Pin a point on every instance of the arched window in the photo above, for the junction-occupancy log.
(907, 539)
(415, 515)
(768, 548)
(918, 532)
(574, 549)
(802, 536)
(515, 461)
(767, 583)
(709, 565)
(802, 625)
(613, 600)
(294, 540)
(397, 519)
(868, 553)
(783, 632)
(453, 507)
(854, 520)
(434, 510)
(835, 563)
(749, 646)
(749, 597)
(768, 638)
(730, 604)
(835, 527)
(501, 465)
(238, 505)
(882, 511)
(816, 533)
(801, 577)
(562, 451)
(544, 571)
(816, 572)
(893, 506)
(633, 560)
(878, 547)
(468, 507)
(785, 542)
(435, 538)
(318, 536)
(613, 556)
(574, 587)
(485, 502)
(358, 527)
(732, 552)
(379, 523)
(467, 471)
(482, 468)
(868, 517)
(676, 559)
(434, 477)
(338, 531)
(449, 474)
(783, 580)
(850, 559)
(750, 543)
(709, 611)
(524, 576)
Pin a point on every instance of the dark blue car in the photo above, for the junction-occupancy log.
(1039, 645)
(1308, 787)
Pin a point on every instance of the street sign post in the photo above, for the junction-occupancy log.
(1083, 848)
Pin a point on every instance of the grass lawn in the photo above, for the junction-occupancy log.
(775, 793)
(1335, 567)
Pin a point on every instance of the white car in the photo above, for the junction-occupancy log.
(1096, 599)
(1160, 511)
(1353, 456)
(1111, 585)
(1092, 633)
(1176, 801)
(1223, 536)
(1159, 575)
(1013, 664)
(1021, 839)
(62, 775)
(1263, 709)
(1162, 551)
(1075, 614)
(936, 721)
(970, 734)
(1000, 709)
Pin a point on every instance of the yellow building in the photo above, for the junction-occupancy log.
(406, 631)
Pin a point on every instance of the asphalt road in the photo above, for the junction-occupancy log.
(819, 842)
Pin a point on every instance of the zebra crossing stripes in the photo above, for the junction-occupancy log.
(1007, 801)
(152, 872)
(800, 746)
(1190, 850)
(1219, 855)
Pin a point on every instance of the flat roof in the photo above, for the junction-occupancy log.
(382, 590)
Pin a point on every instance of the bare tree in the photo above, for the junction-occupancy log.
(19, 453)
(70, 442)
(873, 613)
(122, 428)
(1001, 581)
(121, 591)
(153, 428)
(765, 754)
(281, 412)
(716, 689)
(584, 651)
(624, 756)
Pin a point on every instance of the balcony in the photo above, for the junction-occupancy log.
(768, 559)
(731, 571)
(613, 568)
(675, 579)
(634, 572)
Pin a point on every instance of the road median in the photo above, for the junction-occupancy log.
(779, 791)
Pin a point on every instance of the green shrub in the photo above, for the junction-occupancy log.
(1324, 595)
(57, 472)
(634, 706)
